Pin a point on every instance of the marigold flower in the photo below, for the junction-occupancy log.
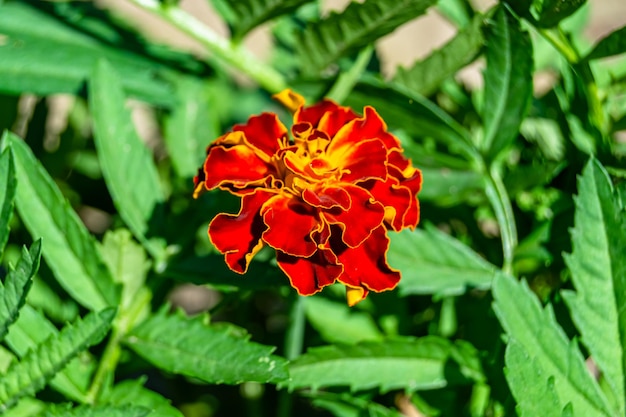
(324, 199)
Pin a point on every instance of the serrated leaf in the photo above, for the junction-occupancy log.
(7, 195)
(426, 76)
(102, 411)
(551, 12)
(132, 392)
(598, 269)
(536, 331)
(326, 41)
(38, 366)
(402, 109)
(249, 14)
(26, 407)
(508, 81)
(410, 364)
(338, 323)
(30, 34)
(191, 126)
(212, 354)
(612, 44)
(533, 389)
(127, 261)
(433, 262)
(16, 285)
(127, 165)
(31, 330)
(70, 251)
(343, 405)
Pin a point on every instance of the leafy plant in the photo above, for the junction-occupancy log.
(115, 302)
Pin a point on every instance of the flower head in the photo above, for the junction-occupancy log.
(323, 196)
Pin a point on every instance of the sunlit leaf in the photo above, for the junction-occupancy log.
(102, 411)
(551, 12)
(612, 44)
(132, 392)
(7, 194)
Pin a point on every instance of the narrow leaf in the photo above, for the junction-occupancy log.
(7, 194)
(102, 411)
(40, 365)
(70, 251)
(132, 392)
(69, 54)
(210, 353)
(508, 81)
(409, 364)
(426, 76)
(433, 262)
(31, 330)
(338, 323)
(251, 13)
(612, 44)
(533, 389)
(344, 405)
(127, 165)
(16, 286)
(537, 333)
(598, 268)
(551, 12)
(326, 41)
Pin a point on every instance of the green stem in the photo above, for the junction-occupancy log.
(501, 203)
(235, 55)
(124, 323)
(347, 80)
(294, 340)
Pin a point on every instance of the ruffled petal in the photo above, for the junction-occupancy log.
(290, 226)
(314, 113)
(363, 216)
(310, 275)
(264, 133)
(332, 121)
(238, 236)
(327, 197)
(370, 126)
(290, 99)
(360, 161)
(238, 166)
(366, 265)
(396, 199)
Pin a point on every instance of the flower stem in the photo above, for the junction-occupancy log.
(501, 203)
(294, 340)
(347, 80)
(235, 55)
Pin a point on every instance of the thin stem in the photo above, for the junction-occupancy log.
(294, 340)
(501, 203)
(235, 55)
(347, 80)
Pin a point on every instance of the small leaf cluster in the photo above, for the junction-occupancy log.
(513, 286)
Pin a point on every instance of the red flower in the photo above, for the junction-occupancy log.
(323, 199)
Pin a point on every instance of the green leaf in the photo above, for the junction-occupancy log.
(402, 109)
(540, 338)
(132, 392)
(38, 366)
(213, 354)
(340, 34)
(410, 364)
(550, 12)
(69, 54)
(448, 187)
(343, 405)
(70, 251)
(16, 285)
(26, 407)
(7, 194)
(127, 262)
(598, 270)
(433, 262)
(191, 126)
(338, 323)
(426, 76)
(533, 389)
(102, 411)
(248, 14)
(508, 81)
(612, 44)
(127, 165)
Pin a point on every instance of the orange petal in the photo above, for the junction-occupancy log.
(327, 197)
(290, 99)
(359, 161)
(264, 133)
(313, 114)
(310, 275)
(238, 166)
(358, 222)
(332, 121)
(366, 265)
(238, 236)
(371, 125)
(355, 294)
(290, 226)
